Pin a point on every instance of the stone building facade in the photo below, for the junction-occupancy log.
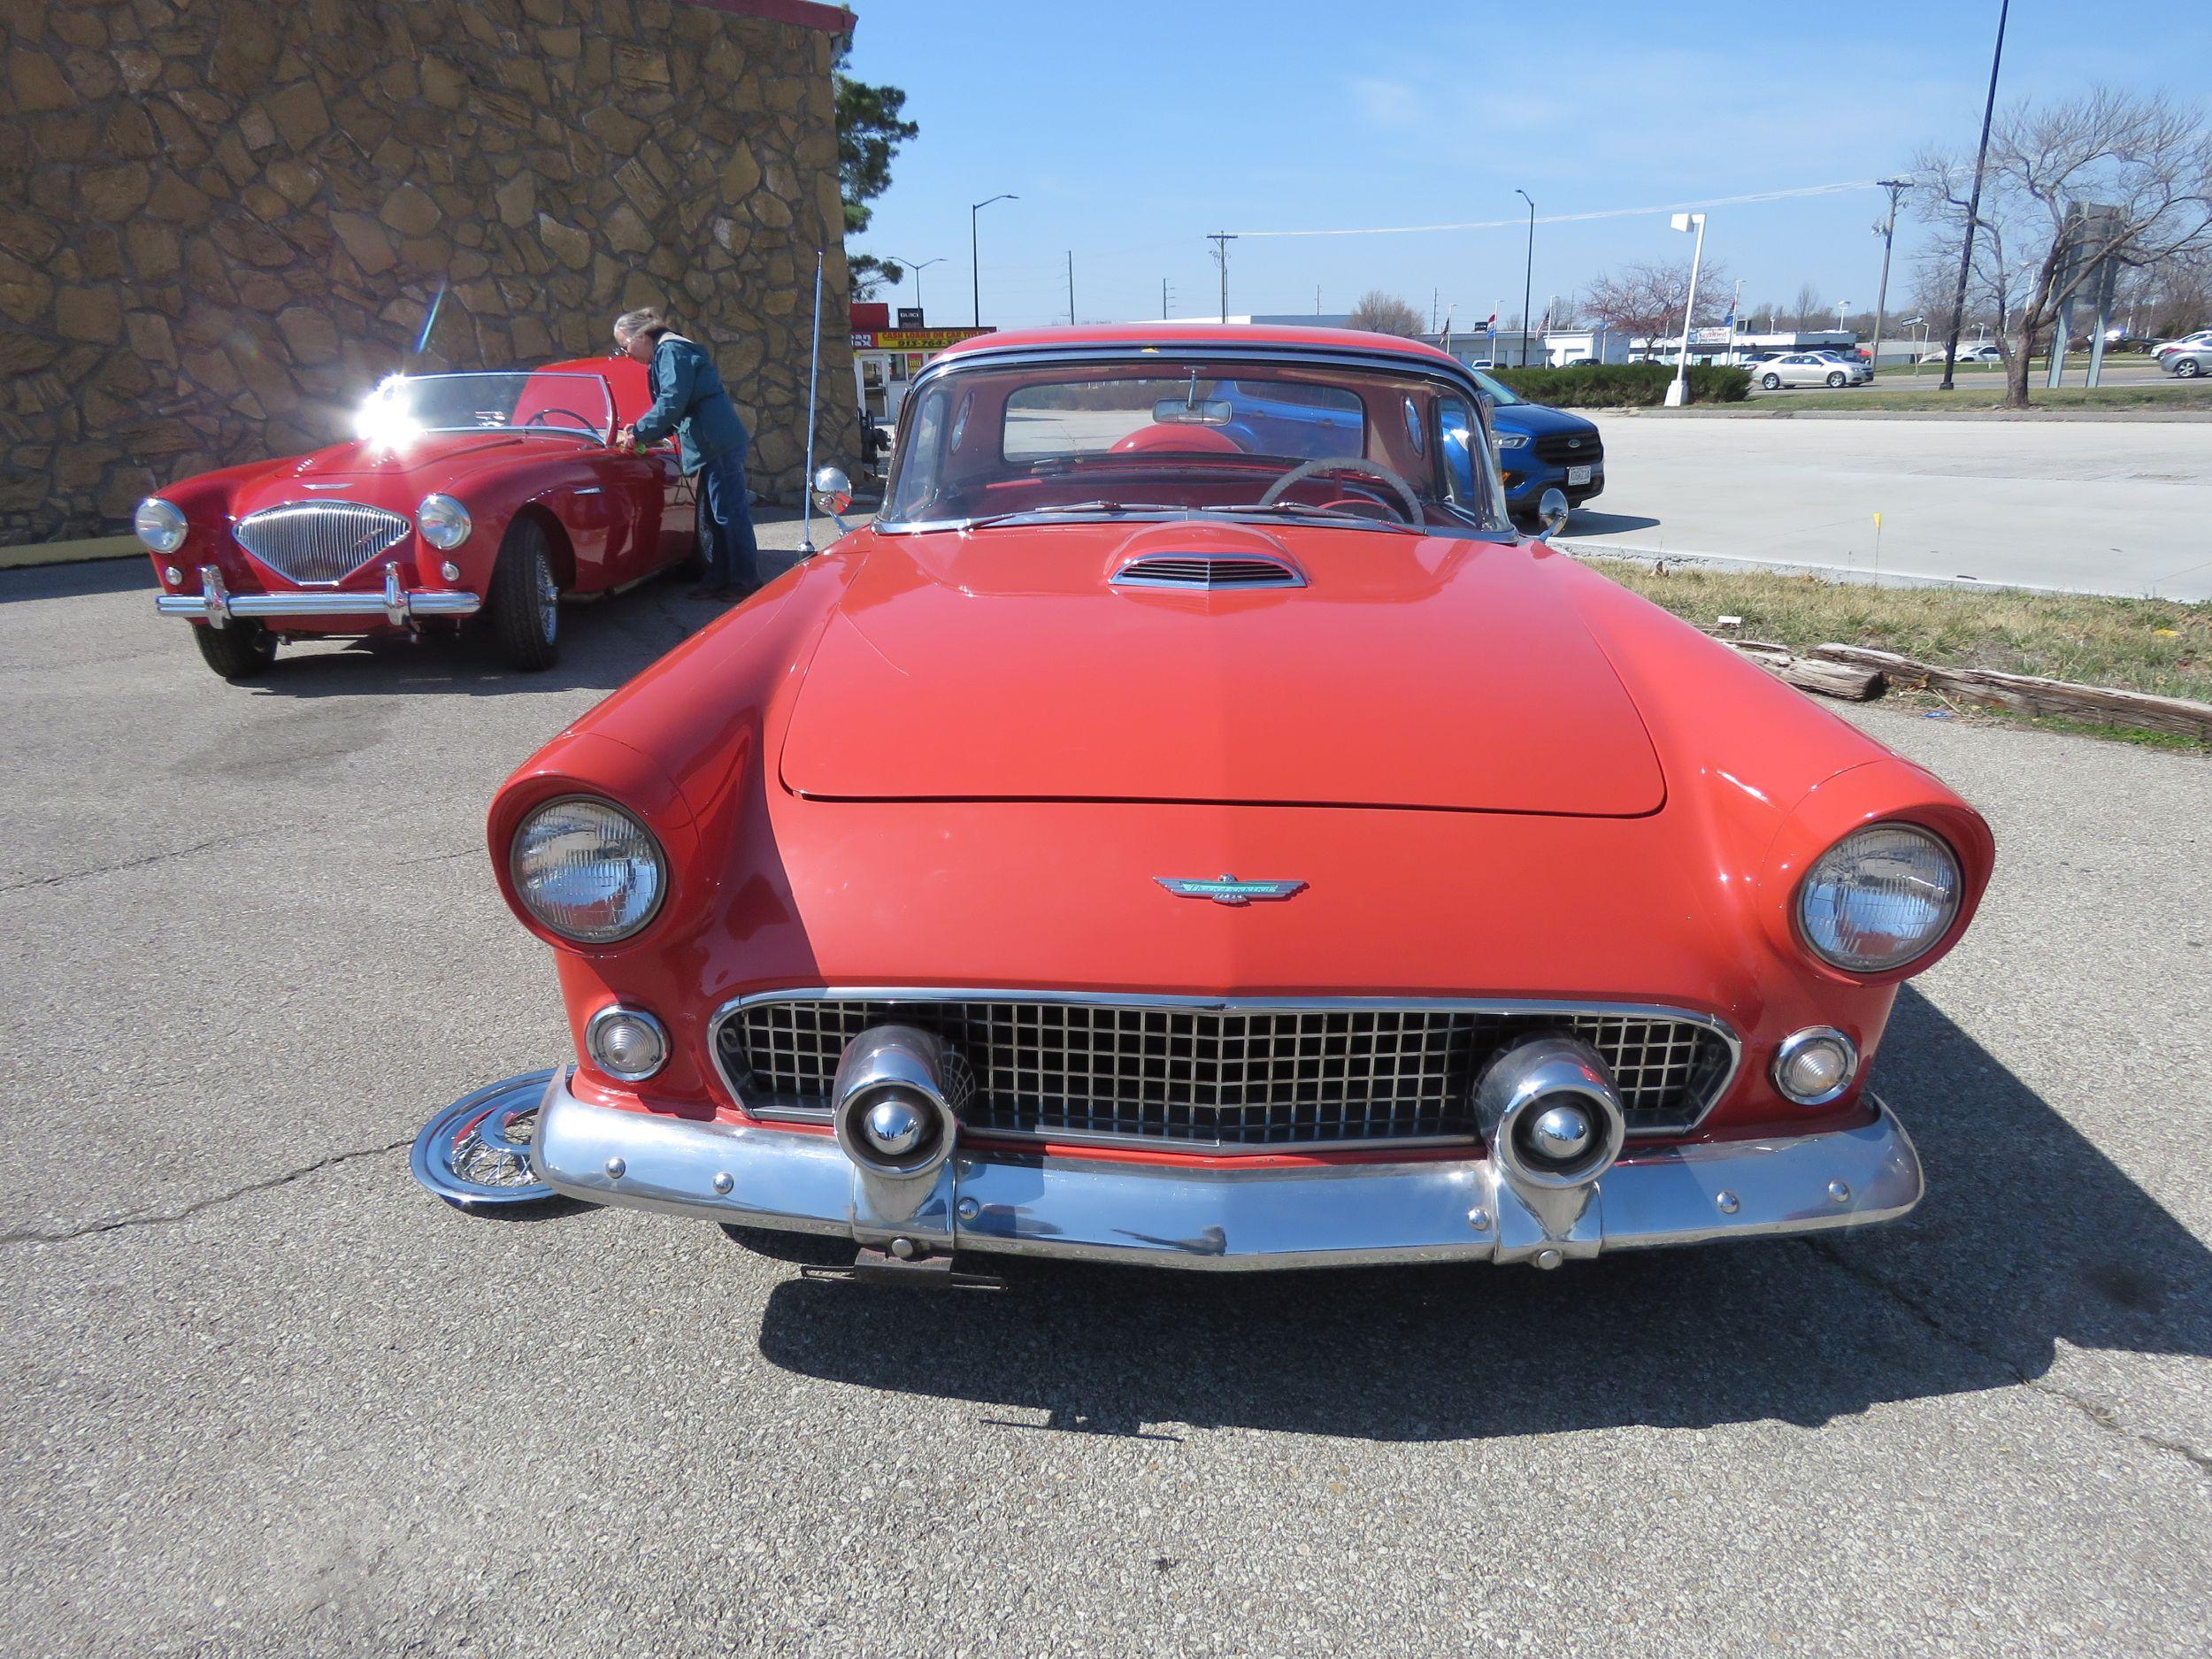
(221, 221)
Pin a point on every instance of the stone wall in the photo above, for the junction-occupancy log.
(222, 220)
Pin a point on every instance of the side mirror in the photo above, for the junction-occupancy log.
(1551, 511)
(833, 491)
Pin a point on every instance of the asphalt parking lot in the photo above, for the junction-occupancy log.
(2104, 506)
(263, 1394)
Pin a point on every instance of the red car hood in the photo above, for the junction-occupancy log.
(999, 665)
(382, 474)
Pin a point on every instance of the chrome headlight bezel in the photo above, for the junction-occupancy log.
(596, 1041)
(443, 522)
(647, 854)
(160, 525)
(1824, 883)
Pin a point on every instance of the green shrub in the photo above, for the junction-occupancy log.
(1622, 385)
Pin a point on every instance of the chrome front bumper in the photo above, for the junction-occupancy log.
(1180, 1215)
(215, 604)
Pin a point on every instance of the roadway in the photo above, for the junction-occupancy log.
(260, 1395)
(2115, 506)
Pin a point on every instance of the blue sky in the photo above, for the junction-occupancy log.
(1129, 131)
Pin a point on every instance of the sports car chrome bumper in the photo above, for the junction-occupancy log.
(215, 604)
(1180, 1215)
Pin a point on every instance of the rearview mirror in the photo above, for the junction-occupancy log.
(1208, 411)
(833, 491)
(1551, 511)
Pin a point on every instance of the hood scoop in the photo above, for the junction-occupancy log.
(1208, 572)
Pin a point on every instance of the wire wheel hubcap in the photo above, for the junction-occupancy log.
(475, 1154)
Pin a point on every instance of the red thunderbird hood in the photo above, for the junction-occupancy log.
(1002, 665)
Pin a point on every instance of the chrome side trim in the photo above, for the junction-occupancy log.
(1214, 1004)
(1228, 1217)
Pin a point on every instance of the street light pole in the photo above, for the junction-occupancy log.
(917, 269)
(1528, 270)
(1887, 231)
(975, 273)
(1974, 202)
(1679, 389)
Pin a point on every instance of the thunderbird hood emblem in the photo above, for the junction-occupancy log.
(1226, 890)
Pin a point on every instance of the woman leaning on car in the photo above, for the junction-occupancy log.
(689, 400)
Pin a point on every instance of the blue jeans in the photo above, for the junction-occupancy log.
(726, 524)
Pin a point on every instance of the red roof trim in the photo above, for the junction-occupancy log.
(1165, 334)
(800, 14)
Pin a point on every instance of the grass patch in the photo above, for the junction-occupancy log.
(2160, 395)
(2160, 646)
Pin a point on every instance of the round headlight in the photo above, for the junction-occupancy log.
(628, 1044)
(588, 870)
(1878, 898)
(160, 525)
(443, 521)
(1815, 1065)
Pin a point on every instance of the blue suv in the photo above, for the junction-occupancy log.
(1540, 449)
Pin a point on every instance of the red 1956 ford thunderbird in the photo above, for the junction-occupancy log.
(1190, 827)
(464, 493)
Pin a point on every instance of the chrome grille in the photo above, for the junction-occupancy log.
(1225, 1077)
(319, 542)
(1205, 571)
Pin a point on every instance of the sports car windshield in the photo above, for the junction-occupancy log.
(571, 405)
(992, 444)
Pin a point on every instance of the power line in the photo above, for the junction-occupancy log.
(1569, 219)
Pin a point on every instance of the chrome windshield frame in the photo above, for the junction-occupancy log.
(601, 436)
(1496, 525)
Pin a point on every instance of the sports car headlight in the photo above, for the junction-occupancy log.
(1878, 898)
(443, 521)
(160, 525)
(588, 870)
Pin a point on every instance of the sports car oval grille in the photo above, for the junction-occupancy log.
(319, 542)
(1207, 571)
(1210, 1077)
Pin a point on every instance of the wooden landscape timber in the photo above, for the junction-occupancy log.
(1830, 679)
(2030, 695)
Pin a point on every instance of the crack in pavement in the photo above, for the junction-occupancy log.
(116, 1223)
(2103, 1416)
(127, 864)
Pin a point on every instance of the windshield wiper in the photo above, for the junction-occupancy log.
(1058, 508)
(1308, 510)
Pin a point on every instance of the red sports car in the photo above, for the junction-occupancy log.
(1191, 827)
(493, 493)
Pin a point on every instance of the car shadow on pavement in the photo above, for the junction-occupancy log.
(71, 581)
(1584, 521)
(2029, 1235)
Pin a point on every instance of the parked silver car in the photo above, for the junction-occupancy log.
(1811, 368)
(1983, 353)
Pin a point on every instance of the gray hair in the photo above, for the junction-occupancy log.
(630, 325)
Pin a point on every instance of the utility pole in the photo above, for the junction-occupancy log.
(1162, 299)
(1528, 272)
(1974, 202)
(1221, 239)
(1071, 287)
(1887, 231)
(1317, 299)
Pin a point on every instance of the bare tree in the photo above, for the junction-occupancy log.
(1647, 300)
(1386, 314)
(2144, 157)
(1807, 311)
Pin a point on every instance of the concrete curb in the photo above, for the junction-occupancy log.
(103, 547)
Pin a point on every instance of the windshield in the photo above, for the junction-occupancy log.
(573, 405)
(1502, 395)
(1375, 448)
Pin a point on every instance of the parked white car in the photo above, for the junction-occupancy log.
(1810, 368)
(1983, 353)
(2193, 349)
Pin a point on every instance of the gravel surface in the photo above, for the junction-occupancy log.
(263, 1396)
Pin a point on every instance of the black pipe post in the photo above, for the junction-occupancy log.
(1527, 272)
(1974, 202)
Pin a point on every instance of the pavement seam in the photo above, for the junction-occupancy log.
(116, 1223)
(127, 864)
(2103, 1416)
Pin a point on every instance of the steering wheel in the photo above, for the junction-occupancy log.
(1305, 470)
(582, 425)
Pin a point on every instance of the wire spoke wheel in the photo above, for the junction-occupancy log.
(476, 1153)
